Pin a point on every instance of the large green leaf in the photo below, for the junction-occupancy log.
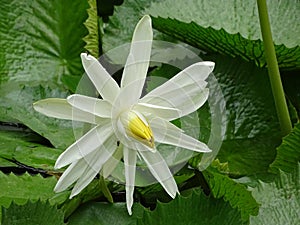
(22, 188)
(32, 213)
(291, 84)
(221, 26)
(23, 146)
(16, 106)
(236, 194)
(288, 153)
(105, 214)
(41, 42)
(252, 129)
(182, 210)
(40, 50)
(206, 25)
(230, 15)
(280, 200)
(121, 25)
(190, 210)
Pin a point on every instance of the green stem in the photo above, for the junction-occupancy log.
(276, 85)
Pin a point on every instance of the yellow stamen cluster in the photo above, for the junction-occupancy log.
(139, 129)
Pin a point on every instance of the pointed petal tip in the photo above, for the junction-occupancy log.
(172, 193)
(87, 57)
(56, 167)
(203, 148)
(146, 19)
(129, 211)
(74, 193)
(175, 194)
(35, 106)
(58, 189)
(83, 55)
(209, 64)
(58, 164)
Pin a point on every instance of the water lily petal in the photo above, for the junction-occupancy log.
(185, 91)
(86, 144)
(61, 109)
(70, 175)
(104, 83)
(99, 107)
(126, 99)
(112, 162)
(168, 133)
(159, 111)
(130, 164)
(137, 63)
(160, 171)
(95, 161)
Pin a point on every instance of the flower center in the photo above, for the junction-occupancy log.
(137, 127)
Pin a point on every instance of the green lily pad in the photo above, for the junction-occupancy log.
(288, 153)
(40, 52)
(32, 213)
(236, 194)
(280, 200)
(105, 214)
(190, 210)
(24, 146)
(182, 210)
(221, 26)
(16, 106)
(206, 25)
(230, 15)
(22, 188)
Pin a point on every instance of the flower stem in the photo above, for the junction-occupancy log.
(273, 70)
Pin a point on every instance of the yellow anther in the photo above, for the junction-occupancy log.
(139, 128)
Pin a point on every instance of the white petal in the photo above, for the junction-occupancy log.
(130, 164)
(71, 174)
(185, 91)
(137, 63)
(95, 162)
(112, 162)
(104, 83)
(61, 109)
(168, 133)
(159, 111)
(99, 107)
(126, 98)
(86, 144)
(160, 171)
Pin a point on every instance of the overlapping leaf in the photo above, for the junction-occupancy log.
(32, 213)
(288, 153)
(206, 25)
(191, 210)
(280, 200)
(236, 194)
(22, 188)
(16, 106)
(93, 37)
(106, 214)
(221, 26)
(39, 57)
(183, 210)
(24, 147)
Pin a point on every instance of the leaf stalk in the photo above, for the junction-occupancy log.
(273, 70)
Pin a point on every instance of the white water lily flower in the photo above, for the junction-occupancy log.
(123, 116)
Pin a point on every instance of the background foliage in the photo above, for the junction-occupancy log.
(255, 177)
